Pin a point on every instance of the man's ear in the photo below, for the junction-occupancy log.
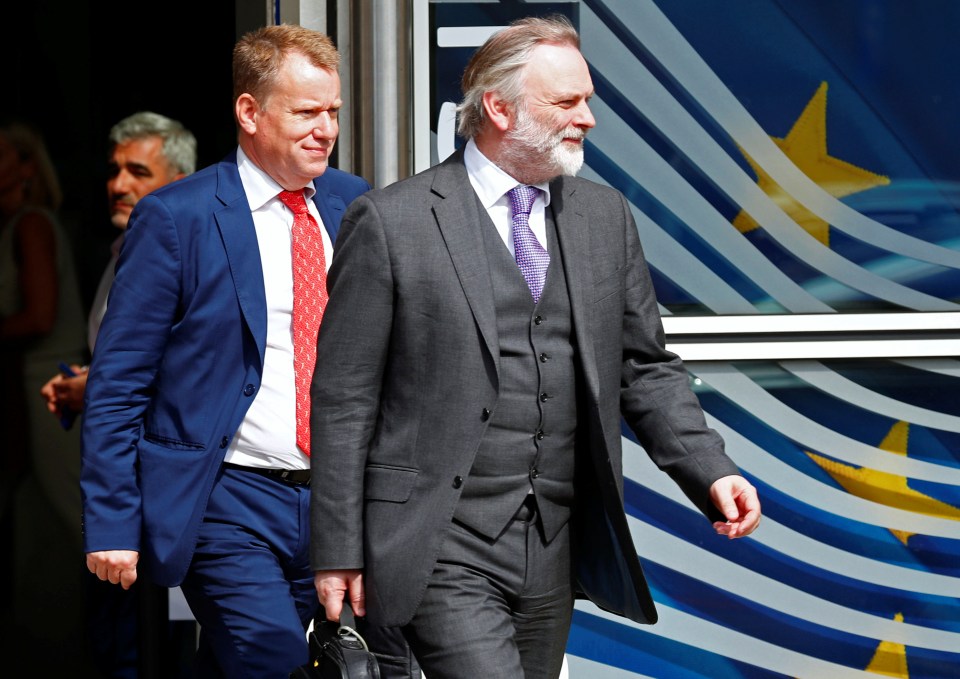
(246, 109)
(499, 111)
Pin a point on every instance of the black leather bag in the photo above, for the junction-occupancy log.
(337, 651)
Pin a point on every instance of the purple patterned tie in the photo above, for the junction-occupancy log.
(532, 258)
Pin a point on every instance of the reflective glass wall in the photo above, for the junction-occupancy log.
(793, 170)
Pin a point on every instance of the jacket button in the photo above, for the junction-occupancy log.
(534, 473)
(457, 481)
(248, 390)
(538, 320)
(544, 358)
(543, 397)
(540, 435)
(224, 441)
(486, 414)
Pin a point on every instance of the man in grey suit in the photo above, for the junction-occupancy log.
(466, 413)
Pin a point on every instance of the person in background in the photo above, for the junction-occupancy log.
(41, 324)
(41, 317)
(490, 321)
(195, 440)
(147, 151)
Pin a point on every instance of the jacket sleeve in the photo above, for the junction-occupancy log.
(142, 308)
(655, 397)
(345, 394)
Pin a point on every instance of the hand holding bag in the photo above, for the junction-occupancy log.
(337, 651)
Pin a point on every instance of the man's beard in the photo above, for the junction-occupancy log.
(538, 152)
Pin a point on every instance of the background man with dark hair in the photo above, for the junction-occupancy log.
(147, 151)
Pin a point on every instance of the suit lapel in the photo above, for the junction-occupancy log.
(240, 242)
(573, 235)
(458, 216)
(329, 205)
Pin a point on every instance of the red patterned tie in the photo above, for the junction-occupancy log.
(309, 300)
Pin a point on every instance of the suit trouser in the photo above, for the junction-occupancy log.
(250, 585)
(496, 608)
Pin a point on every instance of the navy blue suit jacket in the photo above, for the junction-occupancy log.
(178, 362)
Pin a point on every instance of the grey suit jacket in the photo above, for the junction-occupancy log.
(409, 375)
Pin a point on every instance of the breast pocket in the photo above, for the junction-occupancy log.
(610, 283)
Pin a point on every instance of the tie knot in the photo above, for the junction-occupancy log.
(293, 200)
(521, 199)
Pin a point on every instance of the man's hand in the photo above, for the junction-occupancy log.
(62, 392)
(118, 566)
(333, 587)
(737, 500)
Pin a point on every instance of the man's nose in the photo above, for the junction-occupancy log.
(583, 116)
(326, 127)
(119, 183)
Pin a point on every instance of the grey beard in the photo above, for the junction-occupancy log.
(523, 152)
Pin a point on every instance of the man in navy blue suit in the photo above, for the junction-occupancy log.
(193, 470)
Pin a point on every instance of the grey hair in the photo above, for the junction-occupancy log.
(498, 65)
(179, 144)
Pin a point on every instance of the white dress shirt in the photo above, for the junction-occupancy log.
(267, 437)
(491, 184)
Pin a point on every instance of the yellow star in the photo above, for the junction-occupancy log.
(890, 658)
(887, 489)
(806, 146)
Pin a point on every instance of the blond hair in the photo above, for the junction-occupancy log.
(258, 56)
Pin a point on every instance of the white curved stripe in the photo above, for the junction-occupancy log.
(581, 668)
(734, 385)
(638, 160)
(823, 378)
(632, 153)
(774, 325)
(665, 43)
(638, 467)
(783, 350)
(815, 553)
(665, 254)
(828, 498)
(446, 130)
(672, 552)
(698, 633)
(944, 366)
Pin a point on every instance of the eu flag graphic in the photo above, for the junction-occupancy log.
(793, 157)
(785, 156)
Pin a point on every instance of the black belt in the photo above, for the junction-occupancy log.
(291, 477)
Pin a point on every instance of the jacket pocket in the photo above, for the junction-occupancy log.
(389, 484)
(173, 444)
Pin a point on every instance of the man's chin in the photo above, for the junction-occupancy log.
(571, 163)
(120, 219)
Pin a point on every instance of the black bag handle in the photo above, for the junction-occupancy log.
(347, 629)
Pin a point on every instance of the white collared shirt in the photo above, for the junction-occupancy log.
(267, 437)
(491, 184)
